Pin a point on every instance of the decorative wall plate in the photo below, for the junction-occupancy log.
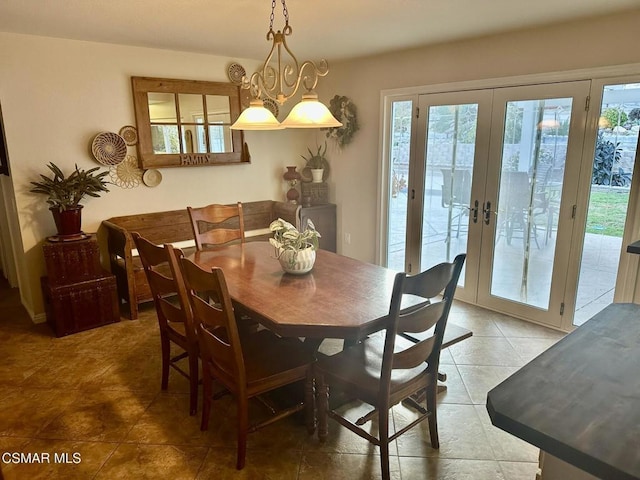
(126, 174)
(151, 177)
(130, 134)
(109, 148)
(272, 106)
(235, 72)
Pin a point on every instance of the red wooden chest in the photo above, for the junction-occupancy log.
(69, 262)
(79, 306)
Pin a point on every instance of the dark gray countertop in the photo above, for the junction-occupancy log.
(580, 400)
(634, 247)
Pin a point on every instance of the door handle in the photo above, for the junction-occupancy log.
(474, 209)
(486, 209)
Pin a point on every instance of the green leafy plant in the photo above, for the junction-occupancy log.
(607, 156)
(345, 111)
(316, 160)
(67, 191)
(615, 117)
(288, 237)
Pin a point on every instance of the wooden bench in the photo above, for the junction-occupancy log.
(173, 227)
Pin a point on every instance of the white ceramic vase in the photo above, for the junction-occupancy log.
(317, 174)
(297, 263)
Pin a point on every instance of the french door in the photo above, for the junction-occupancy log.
(494, 173)
(531, 189)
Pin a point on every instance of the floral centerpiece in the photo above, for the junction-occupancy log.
(295, 250)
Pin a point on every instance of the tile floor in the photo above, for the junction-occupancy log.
(97, 394)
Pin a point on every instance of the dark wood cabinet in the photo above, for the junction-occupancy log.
(324, 219)
(78, 294)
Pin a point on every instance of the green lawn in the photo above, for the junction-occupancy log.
(607, 212)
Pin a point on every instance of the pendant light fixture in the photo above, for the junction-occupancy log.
(283, 83)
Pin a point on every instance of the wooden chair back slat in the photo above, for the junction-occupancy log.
(171, 311)
(414, 355)
(420, 320)
(216, 224)
(438, 279)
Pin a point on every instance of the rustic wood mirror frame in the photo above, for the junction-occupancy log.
(142, 86)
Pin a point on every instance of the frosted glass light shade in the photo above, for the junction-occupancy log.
(310, 113)
(256, 117)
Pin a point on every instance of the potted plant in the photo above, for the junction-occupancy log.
(64, 194)
(316, 162)
(295, 250)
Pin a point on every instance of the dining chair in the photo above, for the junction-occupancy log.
(176, 327)
(216, 224)
(456, 195)
(387, 368)
(247, 367)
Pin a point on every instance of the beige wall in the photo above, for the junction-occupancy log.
(58, 94)
(606, 41)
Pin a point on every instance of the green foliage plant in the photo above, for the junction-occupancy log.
(607, 156)
(634, 116)
(345, 111)
(67, 191)
(318, 159)
(615, 117)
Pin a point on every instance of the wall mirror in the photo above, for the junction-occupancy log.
(184, 123)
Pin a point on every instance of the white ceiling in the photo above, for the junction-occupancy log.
(331, 29)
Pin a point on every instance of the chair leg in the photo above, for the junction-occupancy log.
(207, 385)
(383, 429)
(193, 383)
(309, 403)
(166, 360)
(323, 406)
(432, 391)
(243, 431)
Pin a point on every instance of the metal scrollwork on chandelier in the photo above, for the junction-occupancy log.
(290, 75)
(282, 83)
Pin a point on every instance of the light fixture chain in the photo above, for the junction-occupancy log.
(273, 8)
(285, 12)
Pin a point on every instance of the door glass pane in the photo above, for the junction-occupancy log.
(613, 164)
(532, 171)
(399, 176)
(451, 138)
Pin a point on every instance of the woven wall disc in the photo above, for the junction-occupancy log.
(130, 134)
(109, 148)
(126, 174)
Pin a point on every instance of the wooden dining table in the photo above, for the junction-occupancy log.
(341, 297)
